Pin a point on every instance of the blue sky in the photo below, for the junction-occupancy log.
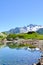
(18, 13)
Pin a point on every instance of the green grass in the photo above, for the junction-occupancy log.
(31, 36)
(28, 36)
(34, 35)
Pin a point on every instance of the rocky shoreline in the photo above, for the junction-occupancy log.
(35, 42)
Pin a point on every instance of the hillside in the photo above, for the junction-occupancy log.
(32, 35)
(2, 35)
(40, 31)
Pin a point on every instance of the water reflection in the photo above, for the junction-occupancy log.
(10, 54)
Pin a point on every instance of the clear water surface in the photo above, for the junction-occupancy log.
(15, 56)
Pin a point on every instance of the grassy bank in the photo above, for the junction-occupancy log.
(33, 35)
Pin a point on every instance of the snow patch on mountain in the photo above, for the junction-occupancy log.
(34, 28)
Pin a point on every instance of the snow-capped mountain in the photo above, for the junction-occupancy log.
(32, 27)
(25, 29)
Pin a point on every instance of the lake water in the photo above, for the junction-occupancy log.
(18, 56)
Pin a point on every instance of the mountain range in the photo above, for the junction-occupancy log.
(25, 29)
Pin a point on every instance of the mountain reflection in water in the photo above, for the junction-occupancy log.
(12, 55)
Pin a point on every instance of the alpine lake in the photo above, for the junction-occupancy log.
(14, 55)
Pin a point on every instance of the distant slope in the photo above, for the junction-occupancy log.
(17, 30)
(40, 31)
